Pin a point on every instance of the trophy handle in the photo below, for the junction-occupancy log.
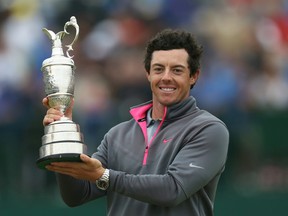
(72, 22)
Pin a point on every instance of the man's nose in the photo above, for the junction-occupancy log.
(167, 74)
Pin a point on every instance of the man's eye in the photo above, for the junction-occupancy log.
(177, 70)
(158, 69)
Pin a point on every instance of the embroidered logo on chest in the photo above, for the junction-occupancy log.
(167, 140)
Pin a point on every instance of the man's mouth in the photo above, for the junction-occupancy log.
(167, 89)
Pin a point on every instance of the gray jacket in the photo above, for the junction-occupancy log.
(176, 174)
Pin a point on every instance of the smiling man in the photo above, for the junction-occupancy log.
(170, 78)
(168, 158)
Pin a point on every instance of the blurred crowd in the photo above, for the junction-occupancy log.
(244, 77)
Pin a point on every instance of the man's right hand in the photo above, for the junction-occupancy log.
(54, 114)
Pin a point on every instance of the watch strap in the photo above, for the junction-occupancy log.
(103, 182)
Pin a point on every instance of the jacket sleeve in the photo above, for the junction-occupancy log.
(200, 160)
(75, 192)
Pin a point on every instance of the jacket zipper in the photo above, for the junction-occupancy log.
(154, 135)
(145, 155)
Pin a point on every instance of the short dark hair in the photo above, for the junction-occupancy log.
(169, 39)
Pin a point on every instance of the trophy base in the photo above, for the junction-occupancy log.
(62, 142)
(64, 157)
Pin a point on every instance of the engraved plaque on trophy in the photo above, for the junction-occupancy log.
(62, 140)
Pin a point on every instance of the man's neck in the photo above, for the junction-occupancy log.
(158, 111)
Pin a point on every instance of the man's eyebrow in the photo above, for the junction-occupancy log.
(173, 66)
(182, 66)
(157, 64)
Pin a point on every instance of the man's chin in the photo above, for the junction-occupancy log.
(168, 102)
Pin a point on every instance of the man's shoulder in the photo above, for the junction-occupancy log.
(205, 117)
(123, 125)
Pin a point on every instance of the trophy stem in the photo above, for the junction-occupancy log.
(64, 118)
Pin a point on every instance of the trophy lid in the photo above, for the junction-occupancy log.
(57, 60)
(58, 57)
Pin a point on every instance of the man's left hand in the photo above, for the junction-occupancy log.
(89, 169)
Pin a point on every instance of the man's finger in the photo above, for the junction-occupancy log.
(85, 158)
(45, 102)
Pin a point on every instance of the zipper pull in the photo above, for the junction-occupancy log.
(145, 155)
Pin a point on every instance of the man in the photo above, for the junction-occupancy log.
(166, 160)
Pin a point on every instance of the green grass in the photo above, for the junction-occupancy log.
(228, 203)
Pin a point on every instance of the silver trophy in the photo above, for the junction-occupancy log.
(62, 140)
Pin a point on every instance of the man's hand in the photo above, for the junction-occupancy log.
(89, 169)
(54, 114)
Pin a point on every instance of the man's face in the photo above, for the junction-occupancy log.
(169, 76)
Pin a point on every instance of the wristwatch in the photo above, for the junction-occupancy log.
(103, 182)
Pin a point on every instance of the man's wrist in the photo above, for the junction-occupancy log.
(103, 182)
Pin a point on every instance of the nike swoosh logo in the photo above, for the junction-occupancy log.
(167, 140)
(195, 166)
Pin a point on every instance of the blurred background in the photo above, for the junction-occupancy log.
(244, 81)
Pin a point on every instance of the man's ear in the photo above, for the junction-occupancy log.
(148, 76)
(194, 77)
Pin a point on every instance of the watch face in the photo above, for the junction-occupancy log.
(102, 185)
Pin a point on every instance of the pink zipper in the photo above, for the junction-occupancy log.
(148, 145)
(145, 155)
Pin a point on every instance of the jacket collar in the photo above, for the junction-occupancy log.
(175, 111)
